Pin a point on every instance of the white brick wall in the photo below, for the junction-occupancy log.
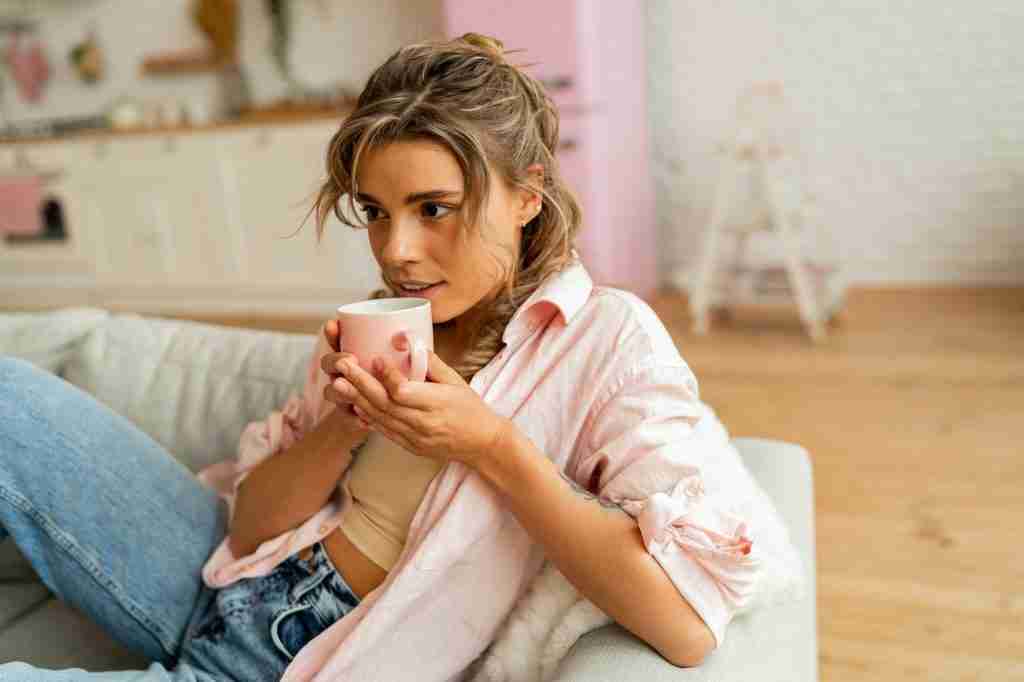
(912, 115)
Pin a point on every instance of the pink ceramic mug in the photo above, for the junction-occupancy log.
(369, 329)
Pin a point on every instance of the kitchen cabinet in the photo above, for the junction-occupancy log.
(157, 215)
(188, 222)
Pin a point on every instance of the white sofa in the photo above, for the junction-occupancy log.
(214, 379)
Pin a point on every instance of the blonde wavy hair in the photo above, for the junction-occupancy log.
(464, 95)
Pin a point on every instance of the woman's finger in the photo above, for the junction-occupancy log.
(340, 392)
(366, 385)
(331, 334)
(392, 418)
(392, 379)
(393, 430)
(329, 362)
(333, 395)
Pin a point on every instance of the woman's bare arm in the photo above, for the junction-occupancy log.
(287, 488)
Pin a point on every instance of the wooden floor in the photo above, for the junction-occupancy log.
(913, 412)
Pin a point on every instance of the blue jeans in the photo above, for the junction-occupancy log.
(120, 530)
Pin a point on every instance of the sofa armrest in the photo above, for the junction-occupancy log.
(776, 643)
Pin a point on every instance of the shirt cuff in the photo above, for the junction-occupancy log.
(705, 551)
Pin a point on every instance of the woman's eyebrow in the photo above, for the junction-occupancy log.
(413, 198)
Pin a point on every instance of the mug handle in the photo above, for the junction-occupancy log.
(417, 356)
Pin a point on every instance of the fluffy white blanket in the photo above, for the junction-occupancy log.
(538, 633)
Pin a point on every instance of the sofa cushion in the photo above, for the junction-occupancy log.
(191, 386)
(56, 636)
(47, 339)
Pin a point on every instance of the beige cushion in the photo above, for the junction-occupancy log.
(193, 387)
(48, 339)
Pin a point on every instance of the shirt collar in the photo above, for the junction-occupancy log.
(564, 291)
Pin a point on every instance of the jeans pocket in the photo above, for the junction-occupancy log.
(295, 627)
(235, 605)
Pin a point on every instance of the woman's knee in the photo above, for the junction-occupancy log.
(31, 398)
(16, 373)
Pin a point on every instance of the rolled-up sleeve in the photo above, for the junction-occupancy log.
(641, 449)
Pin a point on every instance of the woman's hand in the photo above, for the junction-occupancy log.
(328, 363)
(441, 418)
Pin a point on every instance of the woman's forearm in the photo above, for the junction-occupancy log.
(286, 489)
(598, 547)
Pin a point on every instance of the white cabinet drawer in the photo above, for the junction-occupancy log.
(272, 177)
(157, 209)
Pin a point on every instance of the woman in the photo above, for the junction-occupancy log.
(557, 421)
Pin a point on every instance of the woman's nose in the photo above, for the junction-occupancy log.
(404, 242)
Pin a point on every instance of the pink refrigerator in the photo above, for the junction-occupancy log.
(591, 56)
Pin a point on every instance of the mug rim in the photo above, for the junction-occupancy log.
(353, 308)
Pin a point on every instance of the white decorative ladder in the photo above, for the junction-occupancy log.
(757, 151)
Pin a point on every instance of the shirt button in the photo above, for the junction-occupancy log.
(324, 528)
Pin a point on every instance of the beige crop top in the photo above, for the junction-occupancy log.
(387, 483)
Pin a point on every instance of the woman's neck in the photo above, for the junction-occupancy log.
(446, 341)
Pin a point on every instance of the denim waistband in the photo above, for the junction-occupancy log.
(320, 568)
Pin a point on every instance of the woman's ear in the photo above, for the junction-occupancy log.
(530, 202)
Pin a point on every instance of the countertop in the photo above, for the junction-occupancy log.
(255, 119)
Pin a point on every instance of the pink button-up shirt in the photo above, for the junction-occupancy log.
(592, 377)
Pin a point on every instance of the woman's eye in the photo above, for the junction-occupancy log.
(370, 213)
(430, 210)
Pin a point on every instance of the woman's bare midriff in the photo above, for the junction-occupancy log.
(357, 569)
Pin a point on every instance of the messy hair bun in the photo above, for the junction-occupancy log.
(486, 43)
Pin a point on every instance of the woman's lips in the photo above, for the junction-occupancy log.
(422, 293)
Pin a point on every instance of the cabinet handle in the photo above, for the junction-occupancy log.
(560, 82)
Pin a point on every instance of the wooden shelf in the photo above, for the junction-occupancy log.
(183, 63)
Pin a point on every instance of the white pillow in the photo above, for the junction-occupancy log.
(47, 339)
(191, 386)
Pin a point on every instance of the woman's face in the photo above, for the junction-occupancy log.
(410, 193)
